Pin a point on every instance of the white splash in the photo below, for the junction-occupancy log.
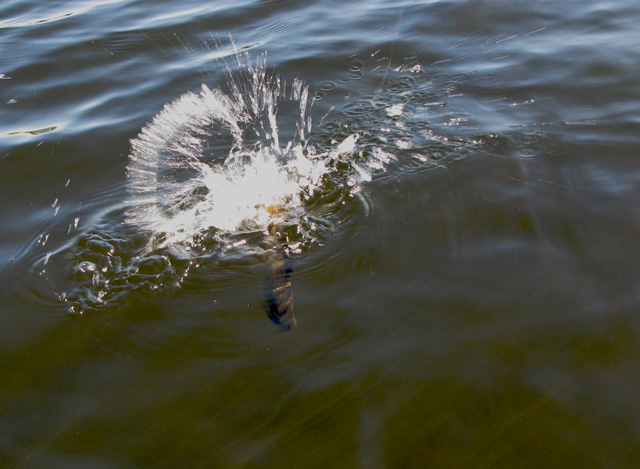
(214, 159)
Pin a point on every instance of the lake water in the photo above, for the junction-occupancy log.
(456, 185)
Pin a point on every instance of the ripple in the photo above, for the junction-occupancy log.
(355, 72)
(323, 89)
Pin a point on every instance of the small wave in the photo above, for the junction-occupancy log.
(41, 17)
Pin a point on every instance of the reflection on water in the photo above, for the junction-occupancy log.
(453, 183)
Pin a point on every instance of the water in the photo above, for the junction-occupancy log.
(456, 184)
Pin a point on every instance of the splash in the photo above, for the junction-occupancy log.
(240, 172)
(216, 161)
(213, 163)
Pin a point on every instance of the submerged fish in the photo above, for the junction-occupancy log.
(278, 291)
(277, 280)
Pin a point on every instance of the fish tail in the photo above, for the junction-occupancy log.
(278, 291)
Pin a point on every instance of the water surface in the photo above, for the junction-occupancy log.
(465, 277)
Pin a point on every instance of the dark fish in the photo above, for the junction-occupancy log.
(278, 292)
